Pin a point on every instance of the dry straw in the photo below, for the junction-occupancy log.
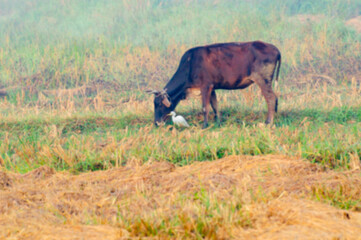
(238, 197)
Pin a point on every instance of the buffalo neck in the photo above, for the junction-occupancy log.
(176, 94)
(176, 88)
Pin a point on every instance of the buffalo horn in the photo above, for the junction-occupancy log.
(155, 92)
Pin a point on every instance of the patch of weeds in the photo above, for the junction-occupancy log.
(336, 198)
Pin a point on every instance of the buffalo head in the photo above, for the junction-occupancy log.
(162, 105)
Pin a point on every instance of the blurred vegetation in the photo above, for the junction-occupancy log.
(61, 43)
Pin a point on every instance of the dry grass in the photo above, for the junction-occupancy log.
(238, 197)
(307, 18)
(309, 91)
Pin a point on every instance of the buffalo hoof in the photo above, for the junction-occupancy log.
(268, 122)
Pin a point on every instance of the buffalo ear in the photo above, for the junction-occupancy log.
(166, 101)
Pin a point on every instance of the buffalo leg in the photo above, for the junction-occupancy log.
(214, 105)
(206, 96)
(269, 95)
(272, 102)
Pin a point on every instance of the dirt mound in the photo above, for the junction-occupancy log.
(5, 181)
(355, 23)
(40, 173)
(291, 218)
(238, 197)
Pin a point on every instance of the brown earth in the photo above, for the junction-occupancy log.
(355, 23)
(237, 197)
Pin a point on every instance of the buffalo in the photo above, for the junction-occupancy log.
(220, 66)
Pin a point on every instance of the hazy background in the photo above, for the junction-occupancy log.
(132, 45)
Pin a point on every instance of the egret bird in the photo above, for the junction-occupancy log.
(178, 120)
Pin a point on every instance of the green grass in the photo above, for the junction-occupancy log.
(82, 143)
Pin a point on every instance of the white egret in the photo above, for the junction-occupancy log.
(178, 120)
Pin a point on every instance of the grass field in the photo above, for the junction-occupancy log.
(72, 82)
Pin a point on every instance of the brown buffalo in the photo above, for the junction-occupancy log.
(220, 66)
